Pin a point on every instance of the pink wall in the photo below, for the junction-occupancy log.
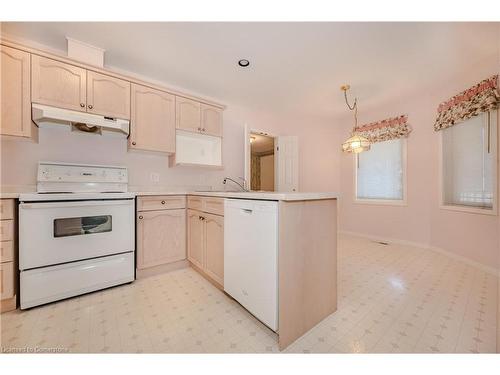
(19, 158)
(473, 236)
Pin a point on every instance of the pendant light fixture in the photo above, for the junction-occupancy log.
(356, 143)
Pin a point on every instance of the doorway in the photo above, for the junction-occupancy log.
(262, 160)
(275, 160)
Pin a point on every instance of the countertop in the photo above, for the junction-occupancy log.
(273, 196)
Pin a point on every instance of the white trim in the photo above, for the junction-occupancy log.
(381, 202)
(464, 208)
(470, 209)
(460, 258)
(404, 181)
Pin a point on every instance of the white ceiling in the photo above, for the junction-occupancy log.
(296, 68)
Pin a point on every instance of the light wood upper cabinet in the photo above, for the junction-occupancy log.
(67, 86)
(15, 104)
(161, 237)
(211, 120)
(108, 96)
(195, 238)
(214, 247)
(188, 114)
(58, 84)
(152, 120)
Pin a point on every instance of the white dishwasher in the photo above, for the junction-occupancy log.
(251, 256)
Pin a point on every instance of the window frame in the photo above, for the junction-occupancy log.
(463, 208)
(385, 202)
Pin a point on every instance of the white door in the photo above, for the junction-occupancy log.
(287, 163)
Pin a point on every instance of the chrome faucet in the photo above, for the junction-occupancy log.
(243, 187)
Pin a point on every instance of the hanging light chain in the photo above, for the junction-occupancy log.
(353, 107)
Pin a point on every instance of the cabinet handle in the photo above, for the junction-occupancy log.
(162, 202)
(133, 143)
(199, 129)
(203, 129)
(141, 217)
(90, 106)
(201, 218)
(82, 105)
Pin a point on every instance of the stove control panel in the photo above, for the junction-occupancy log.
(63, 177)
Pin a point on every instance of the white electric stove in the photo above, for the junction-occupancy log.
(76, 234)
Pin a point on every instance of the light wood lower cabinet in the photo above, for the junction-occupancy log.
(6, 280)
(195, 238)
(8, 273)
(161, 237)
(206, 244)
(214, 247)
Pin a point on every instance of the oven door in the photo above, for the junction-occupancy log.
(59, 232)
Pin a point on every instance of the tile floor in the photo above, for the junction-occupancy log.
(391, 299)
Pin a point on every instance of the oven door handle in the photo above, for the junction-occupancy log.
(66, 204)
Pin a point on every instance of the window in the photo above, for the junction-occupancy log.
(469, 162)
(76, 226)
(380, 172)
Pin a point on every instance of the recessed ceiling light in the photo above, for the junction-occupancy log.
(243, 63)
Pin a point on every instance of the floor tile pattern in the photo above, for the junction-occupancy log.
(392, 298)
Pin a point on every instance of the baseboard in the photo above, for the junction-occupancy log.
(164, 268)
(488, 269)
(206, 277)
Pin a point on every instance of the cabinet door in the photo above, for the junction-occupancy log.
(211, 120)
(58, 84)
(108, 96)
(6, 280)
(15, 101)
(187, 114)
(214, 247)
(195, 237)
(152, 120)
(161, 237)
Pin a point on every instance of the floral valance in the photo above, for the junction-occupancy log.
(385, 130)
(480, 98)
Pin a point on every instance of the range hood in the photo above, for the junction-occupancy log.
(87, 122)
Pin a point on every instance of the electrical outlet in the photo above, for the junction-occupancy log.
(154, 177)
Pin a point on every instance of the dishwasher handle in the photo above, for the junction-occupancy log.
(247, 211)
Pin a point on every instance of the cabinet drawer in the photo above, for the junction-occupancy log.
(6, 209)
(6, 251)
(6, 280)
(214, 205)
(195, 203)
(158, 202)
(6, 230)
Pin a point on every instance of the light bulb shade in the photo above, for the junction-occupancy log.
(356, 144)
